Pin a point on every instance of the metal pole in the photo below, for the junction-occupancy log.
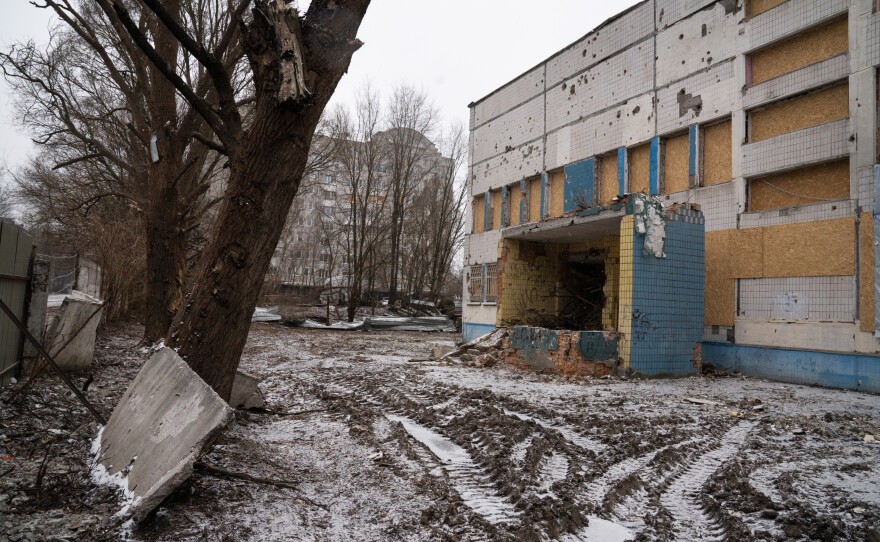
(54, 365)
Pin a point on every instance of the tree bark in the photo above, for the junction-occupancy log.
(166, 264)
(265, 175)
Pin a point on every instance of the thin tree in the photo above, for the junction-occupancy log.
(411, 120)
(359, 156)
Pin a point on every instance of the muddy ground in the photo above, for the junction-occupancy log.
(385, 449)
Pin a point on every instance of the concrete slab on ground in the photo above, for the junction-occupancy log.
(71, 337)
(165, 419)
(246, 392)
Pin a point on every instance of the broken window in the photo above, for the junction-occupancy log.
(582, 297)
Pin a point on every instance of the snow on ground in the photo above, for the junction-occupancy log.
(386, 449)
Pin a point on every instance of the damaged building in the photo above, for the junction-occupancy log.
(691, 183)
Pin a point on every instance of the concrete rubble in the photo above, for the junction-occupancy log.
(166, 418)
(246, 392)
(71, 336)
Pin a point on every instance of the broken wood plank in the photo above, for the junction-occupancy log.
(698, 401)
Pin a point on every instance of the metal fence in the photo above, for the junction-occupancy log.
(16, 250)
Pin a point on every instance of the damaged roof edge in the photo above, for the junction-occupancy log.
(557, 53)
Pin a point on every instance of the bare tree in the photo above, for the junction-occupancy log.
(446, 210)
(102, 113)
(295, 64)
(411, 121)
(6, 205)
(359, 156)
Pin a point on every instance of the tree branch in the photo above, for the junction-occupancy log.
(210, 144)
(215, 67)
(113, 8)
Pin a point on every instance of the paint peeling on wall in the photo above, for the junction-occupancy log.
(648, 214)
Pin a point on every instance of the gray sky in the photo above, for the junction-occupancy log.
(458, 50)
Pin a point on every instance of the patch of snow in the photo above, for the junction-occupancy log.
(600, 530)
(471, 482)
(100, 476)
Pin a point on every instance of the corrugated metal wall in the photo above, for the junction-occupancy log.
(16, 248)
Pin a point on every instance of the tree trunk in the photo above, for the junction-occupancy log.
(166, 268)
(166, 240)
(265, 175)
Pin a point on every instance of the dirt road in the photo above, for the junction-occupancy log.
(384, 449)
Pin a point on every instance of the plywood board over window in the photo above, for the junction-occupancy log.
(534, 199)
(808, 47)
(478, 214)
(818, 107)
(809, 249)
(609, 185)
(675, 163)
(515, 199)
(756, 7)
(717, 155)
(866, 272)
(557, 192)
(496, 209)
(802, 186)
(639, 170)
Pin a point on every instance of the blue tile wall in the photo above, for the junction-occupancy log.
(470, 331)
(667, 299)
(830, 369)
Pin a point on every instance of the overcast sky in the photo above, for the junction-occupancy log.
(457, 50)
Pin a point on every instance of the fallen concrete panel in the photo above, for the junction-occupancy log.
(71, 337)
(419, 323)
(339, 326)
(266, 314)
(164, 421)
(246, 392)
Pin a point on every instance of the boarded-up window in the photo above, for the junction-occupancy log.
(801, 112)
(803, 186)
(639, 170)
(515, 199)
(756, 7)
(478, 214)
(717, 157)
(557, 192)
(676, 152)
(801, 50)
(609, 184)
(534, 199)
(495, 207)
(475, 284)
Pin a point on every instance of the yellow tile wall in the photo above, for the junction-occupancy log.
(624, 318)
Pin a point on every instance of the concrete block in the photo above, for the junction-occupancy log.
(161, 425)
(246, 392)
(71, 337)
(439, 351)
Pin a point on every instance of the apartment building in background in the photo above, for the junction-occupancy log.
(751, 129)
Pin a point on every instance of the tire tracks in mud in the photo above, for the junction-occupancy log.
(682, 496)
(523, 474)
